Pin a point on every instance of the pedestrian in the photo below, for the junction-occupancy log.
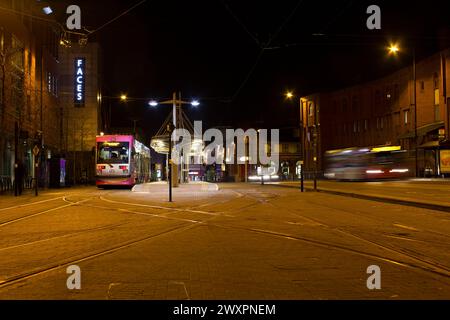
(20, 172)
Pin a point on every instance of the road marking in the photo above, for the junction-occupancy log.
(42, 212)
(30, 204)
(181, 283)
(402, 238)
(161, 207)
(159, 216)
(405, 227)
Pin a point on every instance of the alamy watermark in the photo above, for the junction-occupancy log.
(74, 280)
(229, 146)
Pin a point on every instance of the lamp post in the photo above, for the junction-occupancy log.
(393, 49)
(177, 120)
(170, 129)
(290, 95)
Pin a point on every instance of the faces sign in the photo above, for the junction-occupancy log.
(79, 81)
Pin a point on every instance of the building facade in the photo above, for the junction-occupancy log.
(81, 99)
(382, 112)
(29, 102)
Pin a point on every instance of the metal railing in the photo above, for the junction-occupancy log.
(7, 184)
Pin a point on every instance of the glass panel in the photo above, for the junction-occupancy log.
(113, 152)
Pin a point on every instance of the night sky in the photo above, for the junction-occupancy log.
(239, 57)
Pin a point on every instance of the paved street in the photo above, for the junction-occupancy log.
(433, 191)
(240, 241)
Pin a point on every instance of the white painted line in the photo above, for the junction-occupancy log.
(31, 203)
(405, 227)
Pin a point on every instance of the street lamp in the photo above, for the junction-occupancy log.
(177, 118)
(170, 128)
(289, 95)
(123, 97)
(393, 49)
(153, 103)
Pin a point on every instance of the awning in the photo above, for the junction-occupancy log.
(429, 145)
(423, 130)
(435, 144)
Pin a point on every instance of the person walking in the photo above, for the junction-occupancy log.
(20, 173)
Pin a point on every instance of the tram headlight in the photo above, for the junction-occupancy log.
(374, 171)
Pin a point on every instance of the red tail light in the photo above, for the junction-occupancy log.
(123, 167)
(102, 167)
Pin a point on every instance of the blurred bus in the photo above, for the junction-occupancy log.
(121, 160)
(368, 163)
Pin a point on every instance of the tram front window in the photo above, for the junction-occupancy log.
(112, 152)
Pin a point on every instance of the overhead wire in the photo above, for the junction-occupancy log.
(241, 23)
(261, 52)
(117, 17)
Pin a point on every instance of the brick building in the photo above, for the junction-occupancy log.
(29, 104)
(381, 112)
(81, 99)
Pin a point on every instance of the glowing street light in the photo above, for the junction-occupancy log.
(153, 103)
(123, 97)
(289, 95)
(393, 48)
(195, 103)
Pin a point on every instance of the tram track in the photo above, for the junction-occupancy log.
(407, 260)
(426, 265)
(26, 275)
(29, 216)
(430, 264)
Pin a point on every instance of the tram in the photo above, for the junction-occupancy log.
(121, 160)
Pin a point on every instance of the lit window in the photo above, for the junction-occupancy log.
(311, 109)
(406, 116)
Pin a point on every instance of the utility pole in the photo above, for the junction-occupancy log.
(170, 129)
(315, 143)
(302, 143)
(16, 155)
(415, 114)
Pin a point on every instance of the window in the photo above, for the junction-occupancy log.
(377, 97)
(397, 118)
(52, 84)
(285, 148)
(366, 125)
(436, 97)
(311, 109)
(355, 104)
(406, 116)
(422, 85)
(18, 54)
(344, 105)
(28, 107)
(355, 126)
(29, 61)
(49, 82)
(113, 152)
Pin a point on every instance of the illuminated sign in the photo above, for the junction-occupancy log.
(79, 81)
